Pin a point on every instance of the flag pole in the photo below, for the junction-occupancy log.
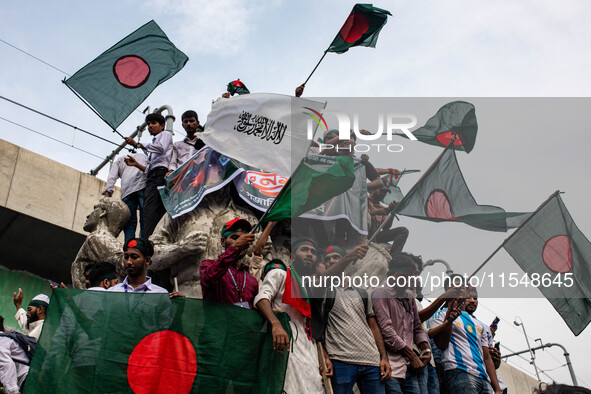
(92, 109)
(557, 192)
(410, 191)
(317, 64)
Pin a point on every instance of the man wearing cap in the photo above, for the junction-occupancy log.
(102, 276)
(302, 367)
(32, 320)
(351, 334)
(137, 254)
(227, 279)
(399, 321)
(332, 255)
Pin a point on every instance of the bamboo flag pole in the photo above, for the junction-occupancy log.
(557, 192)
(317, 64)
(410, 192)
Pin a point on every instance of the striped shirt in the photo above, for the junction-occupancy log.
(464, 352)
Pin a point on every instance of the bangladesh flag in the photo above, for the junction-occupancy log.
(119, 80)
(361, 28)
(237, 87)
(457, 118)
(350, 205)
(108, 342)
(551, 245)
(204, 173)
(311, 185)
(441, 195)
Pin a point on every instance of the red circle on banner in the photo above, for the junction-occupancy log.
(131, 71)
(354, 27)
(437, 206)
(163, 362)
(446, 137)
(557, 254)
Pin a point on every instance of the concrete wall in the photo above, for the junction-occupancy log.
(517, 382)
(45, 189)
(43, 206)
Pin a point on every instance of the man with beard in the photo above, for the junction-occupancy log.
(14, 361)
(495, 354)
(279, 291)
(468, 367)
(31, 321)
(227, 279)
(185, 149)
(137, 255)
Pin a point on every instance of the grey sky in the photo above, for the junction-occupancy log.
(450, 49)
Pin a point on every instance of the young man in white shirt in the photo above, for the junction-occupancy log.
(159, 152)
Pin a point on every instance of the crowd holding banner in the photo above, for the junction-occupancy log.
(261, 326)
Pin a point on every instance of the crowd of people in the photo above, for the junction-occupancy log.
(380, 341)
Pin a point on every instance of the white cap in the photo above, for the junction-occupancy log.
(41, 297)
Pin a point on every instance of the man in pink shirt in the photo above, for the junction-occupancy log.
(227, 279)
(398, 319)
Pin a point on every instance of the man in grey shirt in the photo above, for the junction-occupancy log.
(353, 340)
(133, 183)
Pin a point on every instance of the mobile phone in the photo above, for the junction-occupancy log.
(498, 345)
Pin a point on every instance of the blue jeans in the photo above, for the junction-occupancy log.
(433, 380)
(134, 201)
(408, 385)
(461, 382)
(423, 381)
(345, 376)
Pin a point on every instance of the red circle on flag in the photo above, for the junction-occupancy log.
(446, 137)
(437, 206)
(354, 27)
(163, 362)
(131, 71)
(557, 254)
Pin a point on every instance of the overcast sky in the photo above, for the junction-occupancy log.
(452, 49)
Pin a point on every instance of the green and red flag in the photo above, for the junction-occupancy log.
(120, 79)
(441, 195)
(361, 28)
(295, 294)
(312, 184)
(109, 342)
(457, 118)
(237, 87)
(204, 173)
(551, 245)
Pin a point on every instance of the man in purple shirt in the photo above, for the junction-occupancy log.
(227, 279)
(398, 319)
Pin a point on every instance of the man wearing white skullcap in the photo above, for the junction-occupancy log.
(31, 321)
(14, 361)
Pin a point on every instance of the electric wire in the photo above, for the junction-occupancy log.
(59, 121)
(55, 68)
(51, 138)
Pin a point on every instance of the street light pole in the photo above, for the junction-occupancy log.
(531, 352)
(448, 270)
(542, 347)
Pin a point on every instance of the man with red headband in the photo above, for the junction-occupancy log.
(137, 254)
(227, 279)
